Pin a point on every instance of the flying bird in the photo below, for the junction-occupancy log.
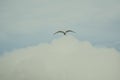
(64, 32)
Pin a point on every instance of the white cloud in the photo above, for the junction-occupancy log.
(65, 58)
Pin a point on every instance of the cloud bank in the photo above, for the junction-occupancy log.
(65, 58)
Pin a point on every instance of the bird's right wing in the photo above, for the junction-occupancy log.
(70, 31)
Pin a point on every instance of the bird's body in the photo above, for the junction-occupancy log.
(64, 32)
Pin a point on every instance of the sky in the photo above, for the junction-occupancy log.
(64, 58)
(30, 51)
(26, 23)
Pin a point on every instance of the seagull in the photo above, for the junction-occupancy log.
(64, 32)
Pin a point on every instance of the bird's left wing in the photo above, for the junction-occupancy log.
(59, 32)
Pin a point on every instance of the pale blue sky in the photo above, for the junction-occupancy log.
(30, 22)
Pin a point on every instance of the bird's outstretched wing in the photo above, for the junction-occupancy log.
(69, 31)
(59, 32)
